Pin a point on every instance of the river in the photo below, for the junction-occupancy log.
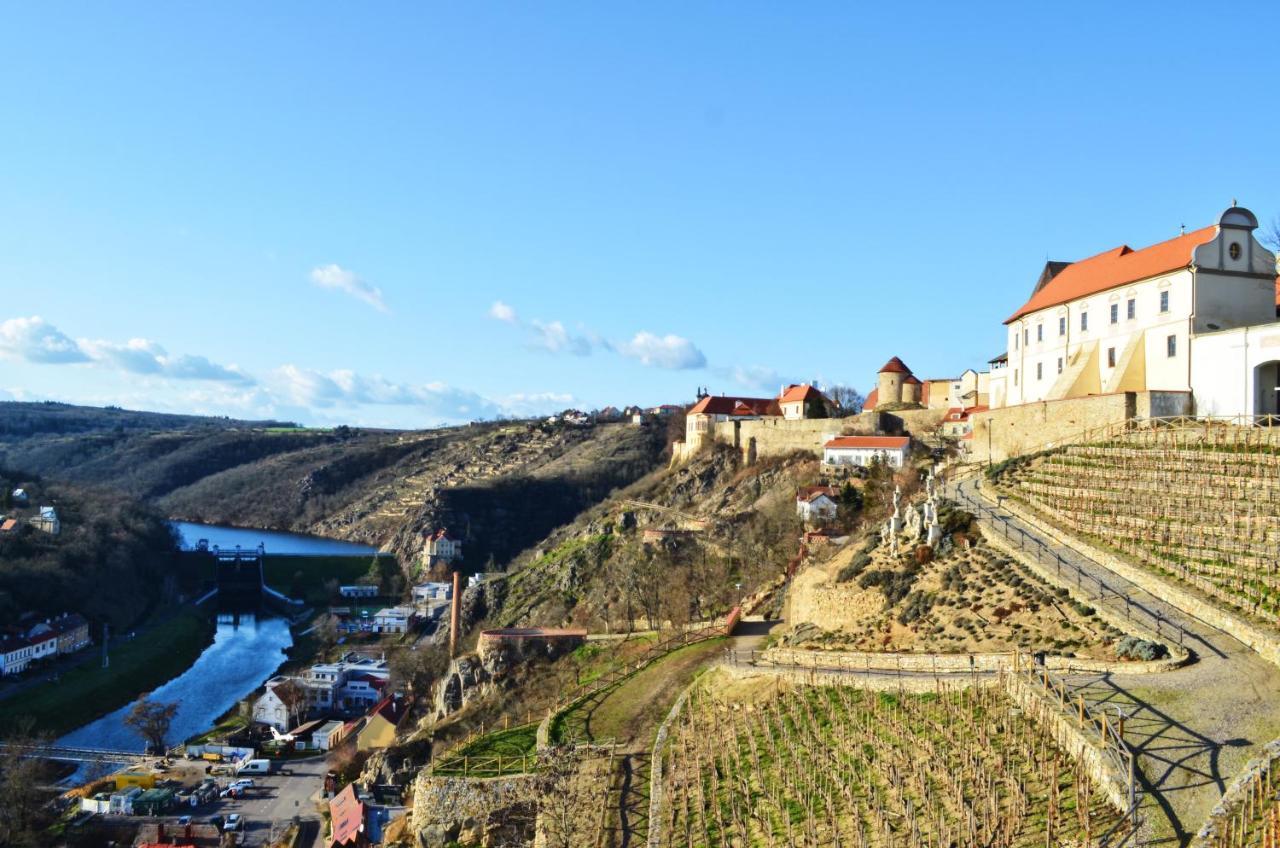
(275, 541)
(246, 650)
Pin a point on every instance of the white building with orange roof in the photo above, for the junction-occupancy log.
(1125, 320)
(802, 400)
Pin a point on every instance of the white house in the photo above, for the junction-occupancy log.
(1124, 320)
(352, 683)
(432, 591)
(16, 654)
(358, 591)
(270, 709)
(392, 620)
(865, 450)
(441, 547)
(802, 401)
(47, 521)
(43, 640)
(816, 503)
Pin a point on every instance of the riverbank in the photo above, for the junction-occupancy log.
(159, 653)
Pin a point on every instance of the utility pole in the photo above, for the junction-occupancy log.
(106, 641)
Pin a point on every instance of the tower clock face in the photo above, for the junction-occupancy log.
(1234, 250)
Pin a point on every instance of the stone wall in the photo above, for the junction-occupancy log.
(777, 437)
(923, 663)
(448, 810)
(1030, 427)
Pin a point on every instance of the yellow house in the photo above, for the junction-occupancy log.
(380, 725)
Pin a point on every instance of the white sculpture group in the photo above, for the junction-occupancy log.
(917, 524)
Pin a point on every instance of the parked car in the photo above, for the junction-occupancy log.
(183, 821)
(246, 782)
(217, 821)
(234, 822)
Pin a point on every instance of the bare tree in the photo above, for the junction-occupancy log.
(23, 798)
(848, 400)
(294, 697)
(416, 669)
(1271, 235)
(151, 720)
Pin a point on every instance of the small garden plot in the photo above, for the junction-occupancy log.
(834, 766)
(971, 600)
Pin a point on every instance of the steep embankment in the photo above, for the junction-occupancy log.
(673, 546)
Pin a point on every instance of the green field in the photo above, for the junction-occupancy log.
(308, 574)
(82, 694)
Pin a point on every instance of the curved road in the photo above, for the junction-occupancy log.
(1193, 728)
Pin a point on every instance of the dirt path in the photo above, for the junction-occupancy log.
(1194, 728)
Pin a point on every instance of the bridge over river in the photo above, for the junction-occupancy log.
(70, 754)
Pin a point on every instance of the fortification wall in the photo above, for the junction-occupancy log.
(776, 436)
(1014, 430)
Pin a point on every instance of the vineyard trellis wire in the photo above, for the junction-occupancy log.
(1206, 511)
(835, 765)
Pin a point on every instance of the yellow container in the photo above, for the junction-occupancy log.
(211, 757)
(127, 779)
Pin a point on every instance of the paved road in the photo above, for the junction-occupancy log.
(1193, 728)
(276, 799)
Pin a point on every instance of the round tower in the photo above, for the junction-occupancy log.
(892, 377)
(912, 389)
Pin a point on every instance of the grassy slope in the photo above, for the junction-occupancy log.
(89, 691)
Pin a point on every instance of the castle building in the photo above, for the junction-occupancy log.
(441, 547)
(1130, 320)
(802, 401)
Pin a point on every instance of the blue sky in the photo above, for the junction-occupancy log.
(407, 214)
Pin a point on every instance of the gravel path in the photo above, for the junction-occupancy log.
(1194, 728)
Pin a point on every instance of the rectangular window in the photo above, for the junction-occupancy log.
(1059, 364)
(1084, 322)
(1111, 357)
(1062, 326)
(1016, 337)
(1039, 371)
(1026, 336)
(1171, 345)
(1039, 332)
(1131, 309)
(1015, 376)
(1164, 301)
(1115, 313)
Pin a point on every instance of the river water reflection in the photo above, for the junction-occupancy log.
(275, 541)
(246, 650)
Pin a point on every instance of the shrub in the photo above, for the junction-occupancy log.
(1083, 609)
(1133, 648)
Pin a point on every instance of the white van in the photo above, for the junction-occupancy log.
(254, 767)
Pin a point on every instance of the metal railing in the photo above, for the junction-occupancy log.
(1085, 582)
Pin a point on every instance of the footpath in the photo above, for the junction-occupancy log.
(1193, 728)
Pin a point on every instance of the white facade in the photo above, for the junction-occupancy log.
(269, 709)
(392, 620)
(359, 591)
(15, 654)
(818, 508)
(1136, 335)
(864, 451)
(1237, 372)
(47, 521)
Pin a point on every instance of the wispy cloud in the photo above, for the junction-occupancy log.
(36, 340)
(754, 377)
(502, 312)
(346, 388)
(337, 278)
(671, 352)
(553, 337)
(668, 351)
(142, 356)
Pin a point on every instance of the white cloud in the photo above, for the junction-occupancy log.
(36, 340)
(345, 388)
(143, 356)
(670, 351)
(340, 279)
(528, 405)
(552, 336)
(502, 312)
(755, 377)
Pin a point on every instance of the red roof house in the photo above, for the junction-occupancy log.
(346, 816)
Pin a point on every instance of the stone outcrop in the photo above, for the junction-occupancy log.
(455, 810)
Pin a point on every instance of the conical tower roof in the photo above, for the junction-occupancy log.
(895, 366)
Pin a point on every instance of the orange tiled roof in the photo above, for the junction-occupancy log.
(347, 816)
(895, 366)
(873, 397)
(882, 442)
(1115, 267)
(727, 405)
(796, 394)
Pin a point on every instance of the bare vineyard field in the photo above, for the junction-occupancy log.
(1207, 515)
(847, 768)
